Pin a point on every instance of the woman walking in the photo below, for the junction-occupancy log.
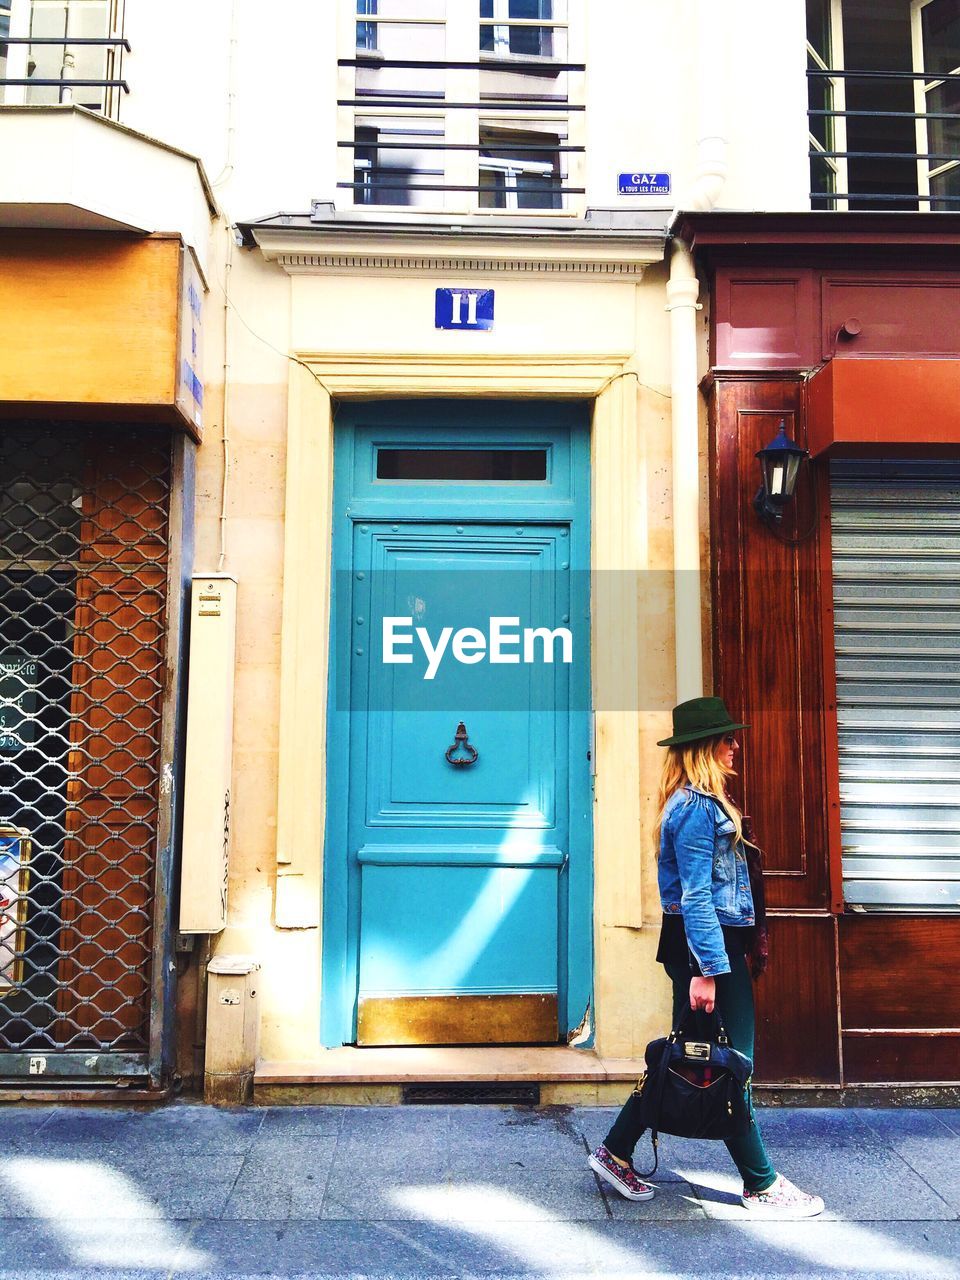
(712, 939)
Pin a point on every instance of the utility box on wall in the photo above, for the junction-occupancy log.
(233, 1029)
(209, 762)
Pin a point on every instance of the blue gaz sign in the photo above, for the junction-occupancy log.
(464, 309)
(644, 184)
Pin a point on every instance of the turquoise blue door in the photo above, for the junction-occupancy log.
(457, 879)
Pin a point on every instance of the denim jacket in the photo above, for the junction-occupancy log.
(703, 876)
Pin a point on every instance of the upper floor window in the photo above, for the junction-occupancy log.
(884, 104)
(61, 51)
(366, 31)
(511, 27)
(520, 170)
(445, 110)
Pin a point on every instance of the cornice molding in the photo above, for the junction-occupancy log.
(307, 264)
(592, 256)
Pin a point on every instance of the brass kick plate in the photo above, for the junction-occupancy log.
(494, 1019)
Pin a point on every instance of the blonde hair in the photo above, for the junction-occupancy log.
(697, 764)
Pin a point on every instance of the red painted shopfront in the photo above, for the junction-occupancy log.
(839, 640)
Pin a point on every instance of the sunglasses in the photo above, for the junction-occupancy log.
(730, 740)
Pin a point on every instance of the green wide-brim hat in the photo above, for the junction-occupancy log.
(700, 718)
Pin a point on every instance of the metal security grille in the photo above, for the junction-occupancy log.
(83, 571)
(896, 571)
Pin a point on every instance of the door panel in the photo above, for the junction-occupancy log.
(443, 929)
(446, 917)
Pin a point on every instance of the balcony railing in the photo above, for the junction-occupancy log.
(418, 130)
(879, 140)
(77, 80)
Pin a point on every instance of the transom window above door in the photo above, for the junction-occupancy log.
(457, 107)
(478, 466)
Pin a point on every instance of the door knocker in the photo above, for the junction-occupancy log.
(460, 740)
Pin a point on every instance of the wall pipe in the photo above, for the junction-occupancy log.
(683, 290)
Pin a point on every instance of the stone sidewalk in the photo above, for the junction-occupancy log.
(190, 1192)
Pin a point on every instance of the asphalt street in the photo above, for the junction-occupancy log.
(191, 1192)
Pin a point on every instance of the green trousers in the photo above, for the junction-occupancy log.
(735, 1002)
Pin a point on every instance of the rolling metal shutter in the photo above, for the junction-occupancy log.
(83, 585)
(896, 573)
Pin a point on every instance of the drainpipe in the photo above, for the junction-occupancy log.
(682, 293)
(682, 290)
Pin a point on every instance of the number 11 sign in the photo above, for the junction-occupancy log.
(464, 309)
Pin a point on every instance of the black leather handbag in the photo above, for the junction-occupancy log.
(695, 1088)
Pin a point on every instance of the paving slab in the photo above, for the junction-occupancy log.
(486, 1138)
(308, 1122)
(852, 1188)
(87, 1124)
(785, 1127)
(183, 1126)
(675, 1201)
(19, 1123)
(936, 1159)
(896, 1122)
(282, 1179)
(386, 1123)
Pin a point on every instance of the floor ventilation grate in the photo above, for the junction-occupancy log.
(511, 1094)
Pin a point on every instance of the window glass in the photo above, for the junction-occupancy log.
(520, 170)
(522, 41)
(944, 185)
(405, 91)
(940, 22)
(522, 61)
(4, 32)
(877, 37)
(366, 31)
(397, 161)
(818, 27)
(825, 100)
(80, 19)
(940, 28)
(395, 37)
(823, 182)
(462, 464)
(944, 135)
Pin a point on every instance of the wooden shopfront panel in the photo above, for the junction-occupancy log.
(767, 663)
(864, 997)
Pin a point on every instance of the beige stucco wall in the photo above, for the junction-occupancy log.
(253, 539)
(340, 320)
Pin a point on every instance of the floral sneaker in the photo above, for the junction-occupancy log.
(624, 1178)
(782, 1200)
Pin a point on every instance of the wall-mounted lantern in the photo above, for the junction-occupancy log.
(779, 467)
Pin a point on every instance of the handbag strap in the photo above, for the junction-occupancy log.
(659, 1084)
(685, 1016)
